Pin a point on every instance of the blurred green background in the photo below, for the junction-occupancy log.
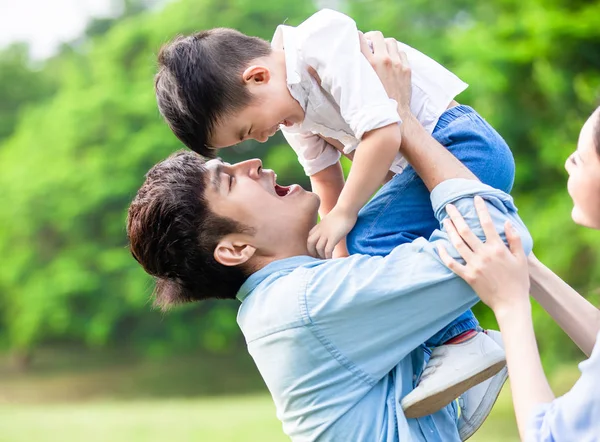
(83, 355)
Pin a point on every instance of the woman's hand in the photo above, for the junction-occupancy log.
(498, 274)
(391, 66)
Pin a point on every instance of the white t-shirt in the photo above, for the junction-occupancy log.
(350, 99)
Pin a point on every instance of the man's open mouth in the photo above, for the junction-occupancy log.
(282, 190)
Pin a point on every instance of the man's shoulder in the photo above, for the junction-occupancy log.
(288, 289)
(275, 304)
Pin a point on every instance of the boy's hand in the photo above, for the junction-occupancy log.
(341, 251)
(323, 238)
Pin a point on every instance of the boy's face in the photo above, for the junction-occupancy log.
(272, 105)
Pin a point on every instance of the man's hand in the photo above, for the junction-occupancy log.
(391, 66)
(323, 238)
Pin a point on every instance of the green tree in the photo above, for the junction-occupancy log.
(78, 133)
(20, 86)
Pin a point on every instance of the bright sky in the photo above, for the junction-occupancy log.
(47, 23)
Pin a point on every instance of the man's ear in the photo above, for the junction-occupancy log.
(256, 74)
(232, 252)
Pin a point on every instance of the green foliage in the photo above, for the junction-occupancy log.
(20, 85)
(78, 134)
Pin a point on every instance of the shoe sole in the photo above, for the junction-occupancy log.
(479, 418)
(437, 401)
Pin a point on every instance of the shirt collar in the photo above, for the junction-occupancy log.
(259, 276)
(285, 38)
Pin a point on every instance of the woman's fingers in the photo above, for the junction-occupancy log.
(514, 241)
(450, 262)
(485, 219)
(463, 228)
(457, 241)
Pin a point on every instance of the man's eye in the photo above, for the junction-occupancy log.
(230, 180)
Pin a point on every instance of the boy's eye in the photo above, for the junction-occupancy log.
(573, 160)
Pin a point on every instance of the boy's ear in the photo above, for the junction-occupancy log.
(256, 74)
(232, 252)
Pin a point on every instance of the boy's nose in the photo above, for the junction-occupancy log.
(262, 138)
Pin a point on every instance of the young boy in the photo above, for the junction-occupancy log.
(219, 87)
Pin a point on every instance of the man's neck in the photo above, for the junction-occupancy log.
(259, 262)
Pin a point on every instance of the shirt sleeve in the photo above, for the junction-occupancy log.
(328, 42)
(373, 311)
(314, 153)
(574, 416)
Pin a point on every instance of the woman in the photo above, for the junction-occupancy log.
(501, 277)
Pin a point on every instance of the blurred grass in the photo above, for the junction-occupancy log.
(90, 404)
(224, 419)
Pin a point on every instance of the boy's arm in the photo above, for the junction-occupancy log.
(372, 161)
(330, 46)
(328, 185)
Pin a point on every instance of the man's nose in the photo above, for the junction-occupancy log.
(251, 167)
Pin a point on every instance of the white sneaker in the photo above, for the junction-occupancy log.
(452, 370)
(476, 403)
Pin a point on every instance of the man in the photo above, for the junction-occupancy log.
(337, 341)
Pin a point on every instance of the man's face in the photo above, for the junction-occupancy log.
(279, 216)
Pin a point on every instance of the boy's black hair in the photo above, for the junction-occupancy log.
(199, 81)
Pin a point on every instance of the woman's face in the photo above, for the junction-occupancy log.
(583, 167)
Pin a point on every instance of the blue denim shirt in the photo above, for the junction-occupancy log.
(337, 341)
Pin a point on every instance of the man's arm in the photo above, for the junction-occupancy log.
(432, 161)
(571, 311)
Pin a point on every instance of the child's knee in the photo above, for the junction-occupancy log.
(481, 148)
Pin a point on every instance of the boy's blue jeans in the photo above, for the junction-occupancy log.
(401, 211)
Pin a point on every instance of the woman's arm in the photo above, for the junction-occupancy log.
(571, 311)
(500, 277)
